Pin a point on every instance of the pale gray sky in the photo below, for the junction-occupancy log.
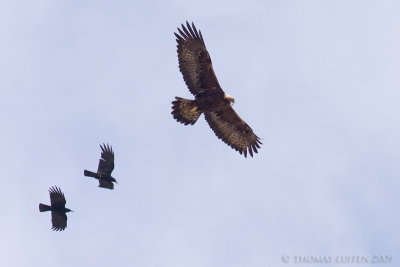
(318, 81)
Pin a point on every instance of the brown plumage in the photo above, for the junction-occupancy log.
(196, 67)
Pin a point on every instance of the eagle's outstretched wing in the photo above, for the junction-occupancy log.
(195, 62)
(58, 220)
(57, 198)
(106, 163)
(231, 129)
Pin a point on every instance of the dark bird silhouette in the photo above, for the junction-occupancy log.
(57, 208)
(196, 67)
(106, 166)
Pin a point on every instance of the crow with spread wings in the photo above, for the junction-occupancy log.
(196, 67)
(57, 208)
(106, 166)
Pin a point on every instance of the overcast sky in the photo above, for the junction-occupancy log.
(318, 81)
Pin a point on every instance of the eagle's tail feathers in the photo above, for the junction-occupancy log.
(185, 111)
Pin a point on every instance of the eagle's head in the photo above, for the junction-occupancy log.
(230, 99)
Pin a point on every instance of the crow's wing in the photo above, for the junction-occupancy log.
(230, 128)
(59, 221)
(106, 184)
(195, 62)
(57, 198)
(106, 163)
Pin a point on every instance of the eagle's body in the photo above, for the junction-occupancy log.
(196, 67)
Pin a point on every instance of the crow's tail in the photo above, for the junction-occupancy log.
(89, 173)
(43, 207)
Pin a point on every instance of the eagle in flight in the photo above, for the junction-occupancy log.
(196, 67)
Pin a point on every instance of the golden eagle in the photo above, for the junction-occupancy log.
(196, 67)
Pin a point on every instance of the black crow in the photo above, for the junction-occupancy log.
(57, 208)
(106, 166)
